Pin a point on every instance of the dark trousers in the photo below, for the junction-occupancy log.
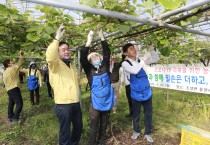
(128, 95)
(15, 98)
(49, 89)
(136, 107)
(98, 125)
(21, 78)
(36, 94)
(67, 114)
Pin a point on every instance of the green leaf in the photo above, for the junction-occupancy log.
(88, 18)
(32, 37)
(134, 1)
(43, 17)
(124, 28)
(160, 37)
(165, 42)
(33, 29)
(69, 17)
(50, 30)
(52, 21)
(29, 11)
(194, 19)
(148, 4)
(46, 9)
(184, 23)
(175, 51)
(1, 43)
(45, 37)
(171, 4)
(26, 44)
(30, 18)
(2, 7)
(2, 28)
(89, 2)
(165, 51)
(112, 5)
(10, 1)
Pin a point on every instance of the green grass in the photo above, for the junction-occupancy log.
(40, 125)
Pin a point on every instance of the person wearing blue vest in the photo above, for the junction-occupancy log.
(101, 93)
(34, 81)
(141, 92)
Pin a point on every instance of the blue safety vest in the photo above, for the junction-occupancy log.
(102, 93)
(140, 86)
(32, 81)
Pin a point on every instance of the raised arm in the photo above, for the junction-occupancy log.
(20, 61)
(83, 59)
(105, 47)
(84, 53)
(52, 50)
(134, 68)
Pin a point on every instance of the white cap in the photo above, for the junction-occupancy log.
(32, 63)
(93, 53)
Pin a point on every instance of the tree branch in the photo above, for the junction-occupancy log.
(203, 61)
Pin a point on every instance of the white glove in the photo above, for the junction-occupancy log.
(40, 85)
(89, 38)
(101, 35)
(146, 56)
(59, 32)
(154, 57)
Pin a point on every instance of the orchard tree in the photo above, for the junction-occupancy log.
(21, 31)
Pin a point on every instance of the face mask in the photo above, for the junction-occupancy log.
(96, 63)
(33, 66)
(66, 60)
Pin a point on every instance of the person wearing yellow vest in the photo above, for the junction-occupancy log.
(12, 83)
(63, 78)
(32, 70)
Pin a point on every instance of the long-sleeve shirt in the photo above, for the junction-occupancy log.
(11, 76)
(131, 69)
(63, 79)
(38, 74)
(89, 69)
(136, 66)
(125, 78)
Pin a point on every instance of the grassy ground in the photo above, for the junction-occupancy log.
(39, 124)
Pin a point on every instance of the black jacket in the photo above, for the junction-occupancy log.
(115, 72)
(89, 69)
